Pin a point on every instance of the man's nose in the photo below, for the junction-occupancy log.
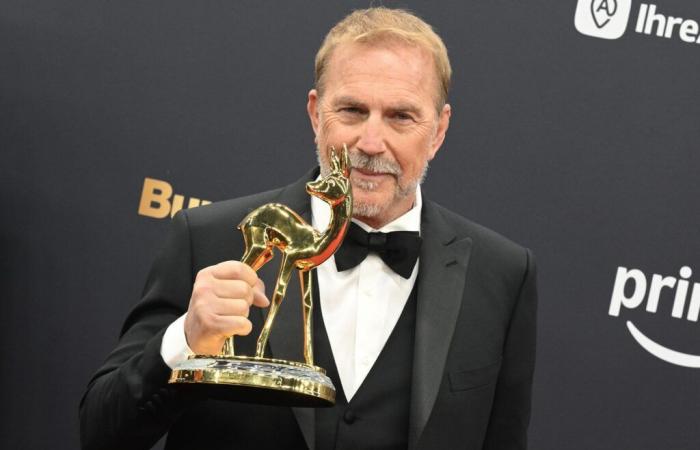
(371, 139)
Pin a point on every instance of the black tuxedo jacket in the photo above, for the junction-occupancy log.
(473, 358)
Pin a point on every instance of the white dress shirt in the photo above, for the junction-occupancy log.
(360, 306)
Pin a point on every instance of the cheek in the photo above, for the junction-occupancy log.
(334, 132)
(328, 124)
(412, 154)
(332, 124)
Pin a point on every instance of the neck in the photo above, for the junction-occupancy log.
(340, 218)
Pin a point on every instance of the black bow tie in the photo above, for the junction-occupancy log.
(398, 249)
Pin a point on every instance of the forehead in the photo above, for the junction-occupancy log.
(382, 69)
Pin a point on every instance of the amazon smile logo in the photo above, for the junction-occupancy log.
(683, 296)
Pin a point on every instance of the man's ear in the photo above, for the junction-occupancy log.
(312, 110)
(443, 125)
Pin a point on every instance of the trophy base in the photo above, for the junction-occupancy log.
(255, 380)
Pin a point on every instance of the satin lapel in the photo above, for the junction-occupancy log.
(286, 340)
(443, 267)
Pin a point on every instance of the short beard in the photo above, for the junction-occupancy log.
(375, 163)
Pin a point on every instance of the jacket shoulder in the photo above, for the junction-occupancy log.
(227, 212)
(488, 244)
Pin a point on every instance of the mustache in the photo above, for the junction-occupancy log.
(373, 163)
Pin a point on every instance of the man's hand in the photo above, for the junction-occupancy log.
(220, 303)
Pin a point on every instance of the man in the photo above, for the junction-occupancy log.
(440, 355)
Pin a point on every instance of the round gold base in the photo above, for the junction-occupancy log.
(255, 380)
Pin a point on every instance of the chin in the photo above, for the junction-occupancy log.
(366, 210)
(369, 206)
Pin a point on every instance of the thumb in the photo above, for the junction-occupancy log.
(259, 297)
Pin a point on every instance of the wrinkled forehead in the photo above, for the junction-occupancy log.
(348, 58)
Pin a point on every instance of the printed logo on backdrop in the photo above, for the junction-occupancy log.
(607, 19)
(686, 306)
(158, 201)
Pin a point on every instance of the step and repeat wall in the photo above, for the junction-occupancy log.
(575, 132)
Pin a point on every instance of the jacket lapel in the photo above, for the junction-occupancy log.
(286, 340)
(443, 266)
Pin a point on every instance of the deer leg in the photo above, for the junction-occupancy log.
(305, 280)
(280, 288)
(257, 250)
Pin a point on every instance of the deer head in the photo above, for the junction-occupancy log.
(335, 187)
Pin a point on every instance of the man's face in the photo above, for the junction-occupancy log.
(380, 101)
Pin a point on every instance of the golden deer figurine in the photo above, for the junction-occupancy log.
(301, 246)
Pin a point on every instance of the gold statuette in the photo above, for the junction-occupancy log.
(258, 379)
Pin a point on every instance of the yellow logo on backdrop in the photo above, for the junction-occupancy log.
(157, 200)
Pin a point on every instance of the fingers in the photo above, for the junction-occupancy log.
(233, 289)
(210, 321)
(240, 289)
(220, 305)
(231, 273)
(224, 326)
(231, 307)
(235, 270)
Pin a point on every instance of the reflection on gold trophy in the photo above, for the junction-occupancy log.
(263, 380)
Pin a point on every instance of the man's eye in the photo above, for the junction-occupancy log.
(402, 116)
(351, 110)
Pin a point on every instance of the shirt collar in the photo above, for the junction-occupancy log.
(409, 221)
